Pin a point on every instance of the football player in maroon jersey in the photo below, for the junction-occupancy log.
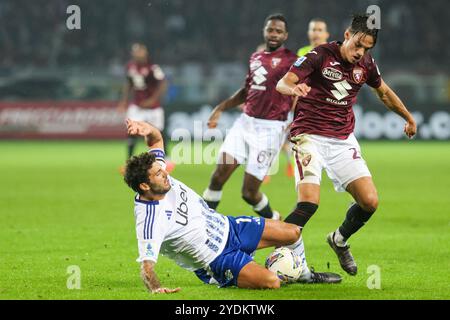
(265, 112)
(148, 84)
(327, 80)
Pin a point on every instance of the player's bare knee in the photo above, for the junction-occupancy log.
(370, 202)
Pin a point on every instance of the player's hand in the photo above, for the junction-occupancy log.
(214, 119)
(165, 290)
(410, 128)
(301, 90)
(140, 128)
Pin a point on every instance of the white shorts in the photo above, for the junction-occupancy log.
(341, 159)
(255, 142)
(153, 116)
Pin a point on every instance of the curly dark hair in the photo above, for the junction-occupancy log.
(359, 25)
(277, 16)
(136, 171)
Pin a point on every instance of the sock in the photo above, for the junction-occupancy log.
(299, 249)
(263, 208)
(302, 213)
(212, 197)
(339, 239)
(356, 218)
(131, 143)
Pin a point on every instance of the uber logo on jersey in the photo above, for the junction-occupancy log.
(182, 209)
(332, 74)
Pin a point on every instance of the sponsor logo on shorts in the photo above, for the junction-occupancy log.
(228, 275)
(332, 74)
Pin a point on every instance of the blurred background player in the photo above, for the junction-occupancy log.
(327, 80)
(149, 85)
(317, 35)
(257, 135)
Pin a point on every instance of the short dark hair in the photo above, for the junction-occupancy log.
(277, 16)
(317, 20)
(359, 25)
(136, 171)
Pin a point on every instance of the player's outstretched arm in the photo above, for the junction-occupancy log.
(288, 85)
(153, 136)
(236, 99)
(151, 280)
(393, 102)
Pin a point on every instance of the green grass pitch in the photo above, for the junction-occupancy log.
(64, 204)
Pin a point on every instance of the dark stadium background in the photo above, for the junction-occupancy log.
(60, 83)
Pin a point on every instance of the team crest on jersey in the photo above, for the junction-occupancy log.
(332, 74)
(275, 62)
(145, 72)
(358, 74)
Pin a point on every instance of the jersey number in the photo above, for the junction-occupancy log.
(341, 91)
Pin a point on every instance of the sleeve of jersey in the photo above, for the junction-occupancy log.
(305, 65)
(160, 156)
(374, 75)
(149, 235)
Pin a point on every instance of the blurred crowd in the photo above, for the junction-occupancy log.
(34, 33)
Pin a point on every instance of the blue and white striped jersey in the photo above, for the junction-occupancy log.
(181, 227)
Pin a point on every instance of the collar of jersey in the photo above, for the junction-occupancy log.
(136, 198)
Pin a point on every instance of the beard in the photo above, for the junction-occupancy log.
(160, 190)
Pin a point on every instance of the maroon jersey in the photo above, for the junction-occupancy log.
(327, 110)
(144, 80)
(265, 70)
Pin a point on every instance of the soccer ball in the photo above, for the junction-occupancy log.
(285, 263)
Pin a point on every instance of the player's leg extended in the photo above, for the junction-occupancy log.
(365, 194)
(278, 233)
(351, 173)
(255, 198)
(274, 233)
(224, 169)
(254, 276)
